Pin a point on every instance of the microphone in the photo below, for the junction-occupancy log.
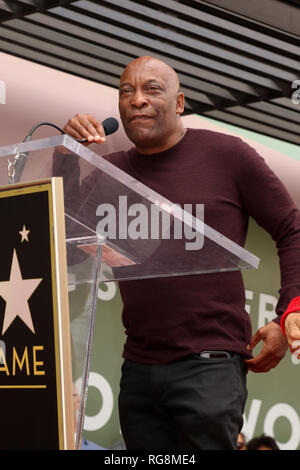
(15, 168)
(110, 125)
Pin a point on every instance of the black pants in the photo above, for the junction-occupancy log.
(195, 404)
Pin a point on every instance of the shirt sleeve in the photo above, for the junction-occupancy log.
(293, 306)
(268, 202)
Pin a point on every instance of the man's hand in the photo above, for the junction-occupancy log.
(292, 331)
(85, 126)
(274, 348)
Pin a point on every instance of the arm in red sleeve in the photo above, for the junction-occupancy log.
(293, 306)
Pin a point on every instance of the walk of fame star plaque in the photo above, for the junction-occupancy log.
(35, 359)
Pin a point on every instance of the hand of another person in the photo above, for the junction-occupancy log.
(85, 126)
(292, 330)
(274, 348)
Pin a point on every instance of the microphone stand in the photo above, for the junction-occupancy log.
(16, 166)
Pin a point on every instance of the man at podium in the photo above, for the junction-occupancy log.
(189, 343)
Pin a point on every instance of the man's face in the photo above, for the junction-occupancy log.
(150, 103)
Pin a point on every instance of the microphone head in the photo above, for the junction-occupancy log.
(110, 125)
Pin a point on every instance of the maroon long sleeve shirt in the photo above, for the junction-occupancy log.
(168, 318)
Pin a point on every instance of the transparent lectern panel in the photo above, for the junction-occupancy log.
(144, 234)
(83, 280)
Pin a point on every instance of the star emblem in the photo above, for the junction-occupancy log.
(24, 233)
(16, 293)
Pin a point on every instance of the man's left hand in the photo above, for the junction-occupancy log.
(274, 348)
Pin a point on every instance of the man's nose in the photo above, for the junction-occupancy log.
(139, 99)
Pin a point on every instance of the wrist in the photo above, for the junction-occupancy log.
(293, 307)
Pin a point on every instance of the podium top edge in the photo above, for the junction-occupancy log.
(38, 144)
(101, 163)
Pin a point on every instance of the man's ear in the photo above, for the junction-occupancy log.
(180, 103)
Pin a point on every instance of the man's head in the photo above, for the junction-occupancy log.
(150, 104)
(262, 443)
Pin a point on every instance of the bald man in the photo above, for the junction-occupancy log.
(153, 121)
(189, 343)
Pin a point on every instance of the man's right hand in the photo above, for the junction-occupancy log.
(85, 126)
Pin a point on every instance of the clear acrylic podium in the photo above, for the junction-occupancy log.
(117, 229)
